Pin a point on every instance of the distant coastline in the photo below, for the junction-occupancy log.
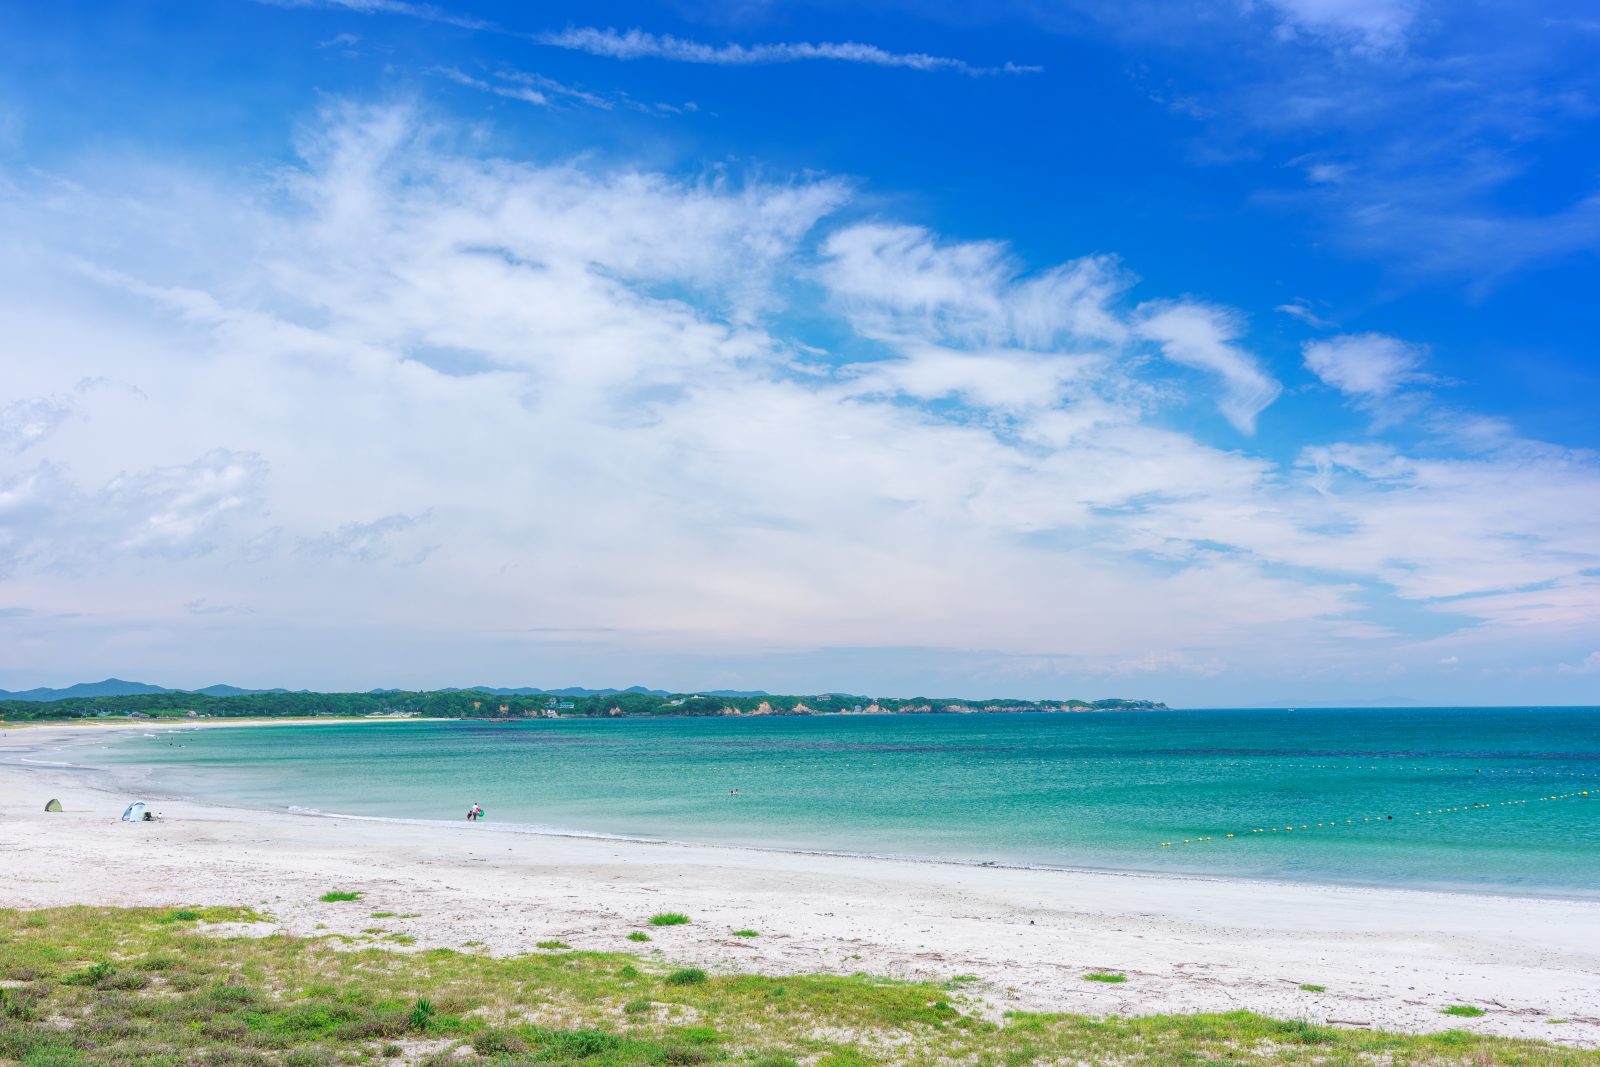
(503, 705)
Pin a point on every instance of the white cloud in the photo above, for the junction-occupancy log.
(27, 422)
(540, 83)
(897, 282)
(370, 541)
(536, 89)
(1327, 173)
(1370, 26)
(1366, 365)
(525, 93)
(639, 44)
(578, 397)
(178, 511)
(1201, 336)
(1590, 665)
(1301, 309)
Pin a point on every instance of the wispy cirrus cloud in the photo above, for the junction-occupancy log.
(28, 421)
(426, 12)
(1204, 337)
(378, 539)
(639, 44)
(541, 91)
(1366, 26)
(525, 93)
(1412, 130)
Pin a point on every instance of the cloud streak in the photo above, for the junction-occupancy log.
(1203, 337)
(541, 91)
(640, 44)
(425, 12)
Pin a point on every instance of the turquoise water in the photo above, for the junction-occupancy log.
(1076, 790)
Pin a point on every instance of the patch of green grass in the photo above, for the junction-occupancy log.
(638, 935)
(381, 915)
(551, 944)
(498, 1042)
(1309, 988)
(100, 987)
(668, 918)
(1465, 1011)
(964, 978)
(1104, 976)
(93, 974)
(686, 976)
(336, 896)
(179, 915)
(747, 933)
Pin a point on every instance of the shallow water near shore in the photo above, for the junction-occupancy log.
(1456, 798)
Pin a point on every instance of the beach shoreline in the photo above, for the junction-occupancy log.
(163, 780)
(1389, 958)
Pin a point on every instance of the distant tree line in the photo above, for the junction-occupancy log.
(474, 704)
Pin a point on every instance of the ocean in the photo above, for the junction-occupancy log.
(1498, 800)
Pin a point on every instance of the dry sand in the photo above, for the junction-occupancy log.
(1390, 958)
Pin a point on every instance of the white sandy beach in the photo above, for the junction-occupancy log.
(1390, 958)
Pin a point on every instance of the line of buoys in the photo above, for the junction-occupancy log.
(1368, 819)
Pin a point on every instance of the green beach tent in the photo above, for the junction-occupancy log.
(54, 805)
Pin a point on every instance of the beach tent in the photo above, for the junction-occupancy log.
(135, 812)
(54, 805)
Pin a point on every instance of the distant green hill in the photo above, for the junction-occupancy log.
(117, 687)
(107, 688)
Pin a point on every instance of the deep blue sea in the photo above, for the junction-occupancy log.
(1462, 798)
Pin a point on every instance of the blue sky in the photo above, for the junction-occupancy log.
(1220, 353)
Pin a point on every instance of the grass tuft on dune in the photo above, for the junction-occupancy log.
(96, 987)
